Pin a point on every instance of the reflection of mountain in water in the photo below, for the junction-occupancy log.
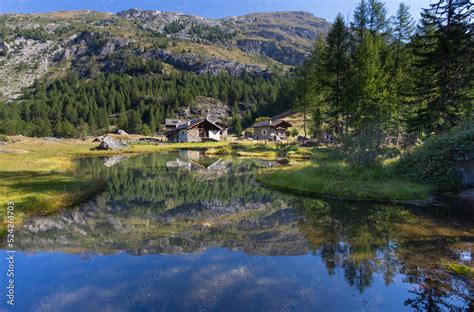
(150, 207)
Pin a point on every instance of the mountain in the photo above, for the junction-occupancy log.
(36, 46)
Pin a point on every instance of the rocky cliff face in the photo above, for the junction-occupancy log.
(201, 64)
(42, 45)
(283, 54)
(286, 37)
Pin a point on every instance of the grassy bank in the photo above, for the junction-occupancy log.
(328, 176)
(37, 176)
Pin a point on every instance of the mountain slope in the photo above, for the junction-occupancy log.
(88, 42)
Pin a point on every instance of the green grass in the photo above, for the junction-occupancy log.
(328, 176)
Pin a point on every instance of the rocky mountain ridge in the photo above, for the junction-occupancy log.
(39, 46)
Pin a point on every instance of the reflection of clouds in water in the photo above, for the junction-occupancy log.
(62, 298)
(266, 281)
(211, 285)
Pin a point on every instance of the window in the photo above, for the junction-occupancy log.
(264, 132)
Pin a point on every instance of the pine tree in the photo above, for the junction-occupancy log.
(361, 21)
(369, 90)
(376, 16)
(134, 122)
(445, 52)
(237, 124)
(310, 90)
(400, 81)
(336, 72)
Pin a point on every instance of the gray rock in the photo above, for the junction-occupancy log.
(110, 143)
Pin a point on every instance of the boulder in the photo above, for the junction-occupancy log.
(122, 132)
(110, 143)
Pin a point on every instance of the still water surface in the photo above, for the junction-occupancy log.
(183, 232)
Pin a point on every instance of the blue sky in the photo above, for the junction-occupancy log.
(208, 8)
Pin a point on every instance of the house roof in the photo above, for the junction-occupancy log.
(194, 122)
(273, 124)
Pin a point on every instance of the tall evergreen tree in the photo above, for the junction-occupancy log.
(444, 51)
(336, 73)
(400, 80)
(310, 92)
(360, 21)
(369, 86)
(377, 16)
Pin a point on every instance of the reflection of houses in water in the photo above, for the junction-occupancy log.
(196, 162)
(112, 161)
(179, 163)
(190, 154)
(216, 166)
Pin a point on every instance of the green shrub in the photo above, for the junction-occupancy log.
(436, 161)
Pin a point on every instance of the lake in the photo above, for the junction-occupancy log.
(180, 231)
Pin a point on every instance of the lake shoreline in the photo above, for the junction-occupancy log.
(42, 179)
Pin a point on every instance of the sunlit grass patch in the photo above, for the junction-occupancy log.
(334, 178)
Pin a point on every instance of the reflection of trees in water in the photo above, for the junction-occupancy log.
(145, 181)
(363, 239)
(360, 239)
(437, 291)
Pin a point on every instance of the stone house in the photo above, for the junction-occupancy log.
(196, 130)
(270, 129)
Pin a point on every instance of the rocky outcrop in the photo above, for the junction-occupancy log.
(286, 37)
(202, 65)
(284, 54)
(27, 60)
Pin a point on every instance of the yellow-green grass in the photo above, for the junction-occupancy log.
(328, 176)
(37, 176)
